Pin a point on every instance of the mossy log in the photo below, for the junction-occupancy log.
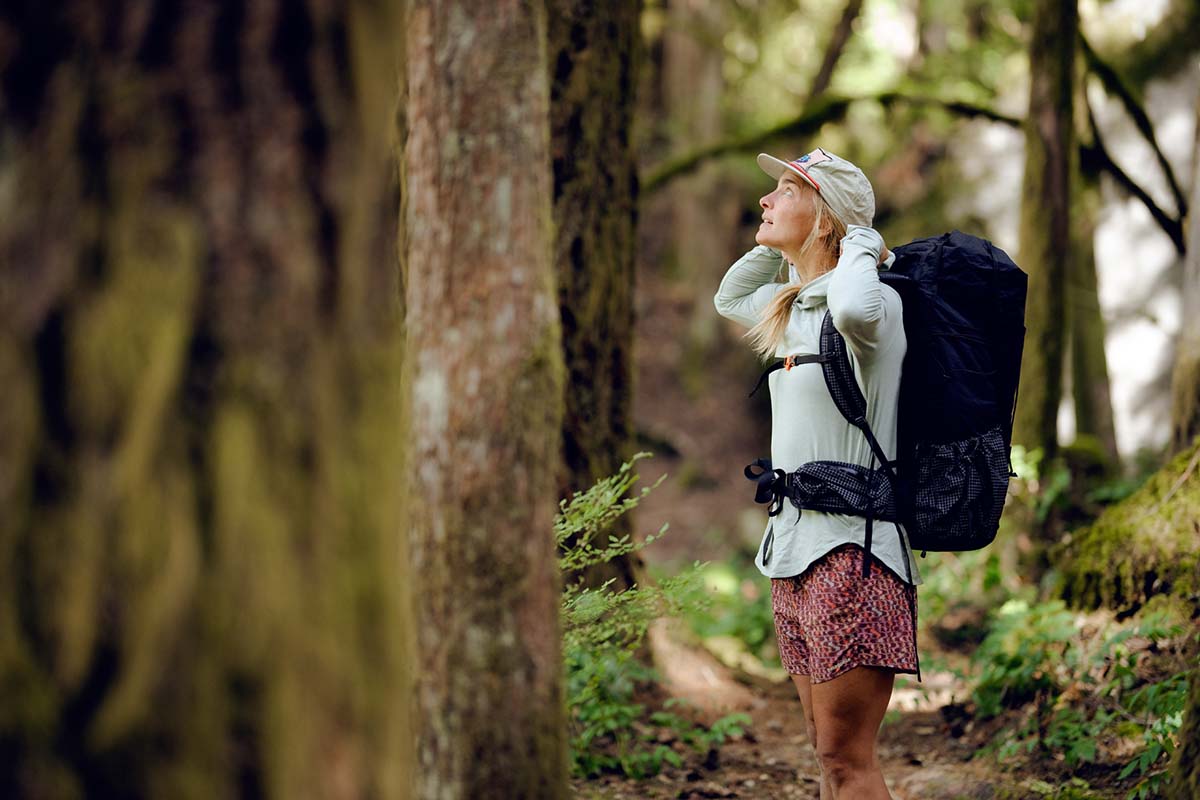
(1144, 546)
(201, 565)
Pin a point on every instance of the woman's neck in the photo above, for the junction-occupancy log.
(811, 270)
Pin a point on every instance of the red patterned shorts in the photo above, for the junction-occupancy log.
(831, 619)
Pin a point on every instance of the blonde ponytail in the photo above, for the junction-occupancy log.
(817, 251)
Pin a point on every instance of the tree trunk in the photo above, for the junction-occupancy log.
(1185, 382)
(1045, 221)
(200, 589)
(1090, 386)
(1185, 422)
(594, 56)
(703, 212)
(484, 352)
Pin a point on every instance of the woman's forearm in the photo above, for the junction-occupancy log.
(748, 285)
(857, 300)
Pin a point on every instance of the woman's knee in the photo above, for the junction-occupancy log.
(839, 764)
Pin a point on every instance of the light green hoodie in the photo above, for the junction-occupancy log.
(805, 424)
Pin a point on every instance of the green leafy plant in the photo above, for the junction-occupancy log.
(1079, 690)
(602, 630)
(1018, 657)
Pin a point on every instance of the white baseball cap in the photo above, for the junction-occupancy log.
(841, 184)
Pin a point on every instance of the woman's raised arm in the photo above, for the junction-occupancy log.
(749, 285)
(867, 313)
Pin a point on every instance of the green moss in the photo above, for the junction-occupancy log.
(1144, 546)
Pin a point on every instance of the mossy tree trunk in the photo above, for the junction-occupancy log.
(484, 357)
(703, 215)
(1185, 382)
(1045, 221)
(200, 559)
(1146, 550)
(594, 54)
(1185, 768)
(1091, 390)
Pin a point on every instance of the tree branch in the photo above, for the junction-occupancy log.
(1117, 87)
(830, 109)
(826, 109)
(837, 45)
(1095, 156)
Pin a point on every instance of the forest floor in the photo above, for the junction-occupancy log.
(927, 745)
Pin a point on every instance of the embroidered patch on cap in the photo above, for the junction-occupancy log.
(815, 157)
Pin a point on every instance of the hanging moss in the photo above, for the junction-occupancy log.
(1146, 545)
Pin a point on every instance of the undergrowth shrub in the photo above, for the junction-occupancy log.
(602, 631)
(1080, 691)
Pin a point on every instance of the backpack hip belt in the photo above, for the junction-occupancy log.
(836, 487)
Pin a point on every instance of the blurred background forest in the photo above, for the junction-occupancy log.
(334, 337)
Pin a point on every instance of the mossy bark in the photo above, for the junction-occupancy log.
(484, 354)
(1146, 545)
(200, 559)
(593, 60)
(1185, 422)
(703, 214)
(1145, 551)
(1045, 221)
(1090, 387)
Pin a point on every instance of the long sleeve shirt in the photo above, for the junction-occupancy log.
(805, 423)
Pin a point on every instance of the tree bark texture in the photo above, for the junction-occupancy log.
(593, 59)
(200, 342)
(1045, 221)
(1090, 385)
(1091, 389)
(1185, 381)
(703, 212)
(484, 362)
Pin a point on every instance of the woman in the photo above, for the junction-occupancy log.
(842, 637)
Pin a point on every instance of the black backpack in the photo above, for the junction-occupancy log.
(964, 312)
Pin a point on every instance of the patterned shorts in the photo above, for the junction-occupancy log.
(831, 619)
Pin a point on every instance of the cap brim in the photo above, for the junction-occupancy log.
(775, 168)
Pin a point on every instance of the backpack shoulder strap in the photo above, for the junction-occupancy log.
(844, 389)
(839, 374)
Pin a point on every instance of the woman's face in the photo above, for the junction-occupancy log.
(787, 214)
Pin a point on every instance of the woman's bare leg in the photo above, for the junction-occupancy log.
(804, 688)
(847, 713)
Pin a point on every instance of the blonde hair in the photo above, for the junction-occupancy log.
(818, 251)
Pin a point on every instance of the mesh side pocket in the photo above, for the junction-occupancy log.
(960, 491)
